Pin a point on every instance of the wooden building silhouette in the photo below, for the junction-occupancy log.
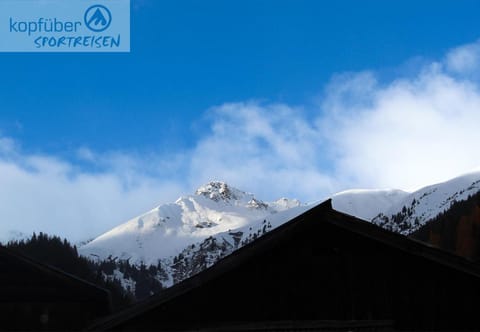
(322, 271)
(34, 296)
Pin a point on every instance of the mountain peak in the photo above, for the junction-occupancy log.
(216, 208)
(219, 191)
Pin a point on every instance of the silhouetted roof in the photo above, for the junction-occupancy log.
(11, 256)
(321, 213)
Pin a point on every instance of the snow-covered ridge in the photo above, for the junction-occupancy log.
(188, 236)
(404, 212)
(367, 203)
(218, 208)
(419, 207)
(167, 230)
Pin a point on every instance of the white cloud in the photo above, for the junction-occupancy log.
(271, 150)
(405, 133)
(86, 154)
(464, 59)
(7, 145)
(415, 132)
(41, 193)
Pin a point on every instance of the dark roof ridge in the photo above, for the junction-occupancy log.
(351, 223)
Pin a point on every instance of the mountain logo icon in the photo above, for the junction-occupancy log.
(98, 18)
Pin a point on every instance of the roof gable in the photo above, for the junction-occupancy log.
(323, 213)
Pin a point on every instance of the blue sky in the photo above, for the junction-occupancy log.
(188, 56)
(251, 92)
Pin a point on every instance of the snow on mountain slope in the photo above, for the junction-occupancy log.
(201, 255)
(190, 235)
(167, 230)
(417, 208)
(367, 204)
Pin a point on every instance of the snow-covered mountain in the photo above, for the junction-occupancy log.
(421, 206)
(183, 238)
(367, 204)
(218, 217)
(403, 212)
